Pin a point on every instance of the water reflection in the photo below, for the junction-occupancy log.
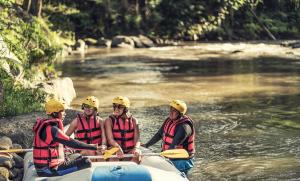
(246, 110)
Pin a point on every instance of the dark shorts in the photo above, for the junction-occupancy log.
(65, 168)
(184, 165)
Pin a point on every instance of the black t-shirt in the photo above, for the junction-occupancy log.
(59, 136)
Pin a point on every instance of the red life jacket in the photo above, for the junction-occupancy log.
(169, 133)
(123, 132)
(47, 153)
(88, 131)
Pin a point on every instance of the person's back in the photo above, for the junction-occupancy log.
(49, 139)
(44, 144)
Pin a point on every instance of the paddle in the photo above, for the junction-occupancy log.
(107, 153)
(110, 152)
(16, 150)
(175, 153)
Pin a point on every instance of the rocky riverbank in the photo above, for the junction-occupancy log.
(11, 164)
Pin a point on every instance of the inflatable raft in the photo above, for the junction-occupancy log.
(152, 168)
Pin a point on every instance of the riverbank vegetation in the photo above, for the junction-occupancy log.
(34, 31)
(174, 19)
(28, 48)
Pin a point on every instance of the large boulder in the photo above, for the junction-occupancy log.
(296, 45)
(61, 89)
(5, 143)
(293, 44)
(80, 48)
(18, 161)
(16, 174)
(137, 42)
(6, 161)
(158, 41)
(122, 42)
(102, 42)
(11, 164)
(4, 174)
(146, 41)
(90, 41)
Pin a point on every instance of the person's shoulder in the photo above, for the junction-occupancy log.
(75, 120)
(109, 118)
(134, 119)
(184, 126)
(101, 120)
(98, 117)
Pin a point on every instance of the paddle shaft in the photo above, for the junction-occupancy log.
(16, 150)
(22, 150)
(125, 155)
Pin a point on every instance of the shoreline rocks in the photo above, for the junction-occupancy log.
(11, 164)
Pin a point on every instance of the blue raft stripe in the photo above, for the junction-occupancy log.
(121, 173)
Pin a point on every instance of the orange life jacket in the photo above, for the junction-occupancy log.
(88, 131)
(123, 132)
(47, 153)
(169, 133)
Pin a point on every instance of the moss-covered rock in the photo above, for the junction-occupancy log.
(4, 174)
(5, 143)
(6, 161)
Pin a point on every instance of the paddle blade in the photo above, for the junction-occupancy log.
(175, 153)
(110, 152)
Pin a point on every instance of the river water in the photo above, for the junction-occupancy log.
(244, 100)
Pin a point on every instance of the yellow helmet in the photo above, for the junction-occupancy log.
(91, 101)
(53, 105)
(179, 106)
(122, 101)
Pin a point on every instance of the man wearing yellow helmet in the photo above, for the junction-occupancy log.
(122, 128)
(49, 138)
(177, 132)
(88, 126)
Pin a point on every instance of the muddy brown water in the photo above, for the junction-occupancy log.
(243, 98)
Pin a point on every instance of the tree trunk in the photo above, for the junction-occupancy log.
(35, 7)
(231, 14)
(26, 5)
(1, 92)
(40, 5)
(124, 4)
(107, 18)
(262, 25)
(143, 12)
(124, 11)
(143, 9)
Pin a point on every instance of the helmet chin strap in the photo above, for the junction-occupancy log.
(55, 114)
(125, 111)
(178, 116)
(94, 113)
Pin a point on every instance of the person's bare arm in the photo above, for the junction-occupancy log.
(72, 127)
(109, 135)
(136, 133)
(104, 142)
